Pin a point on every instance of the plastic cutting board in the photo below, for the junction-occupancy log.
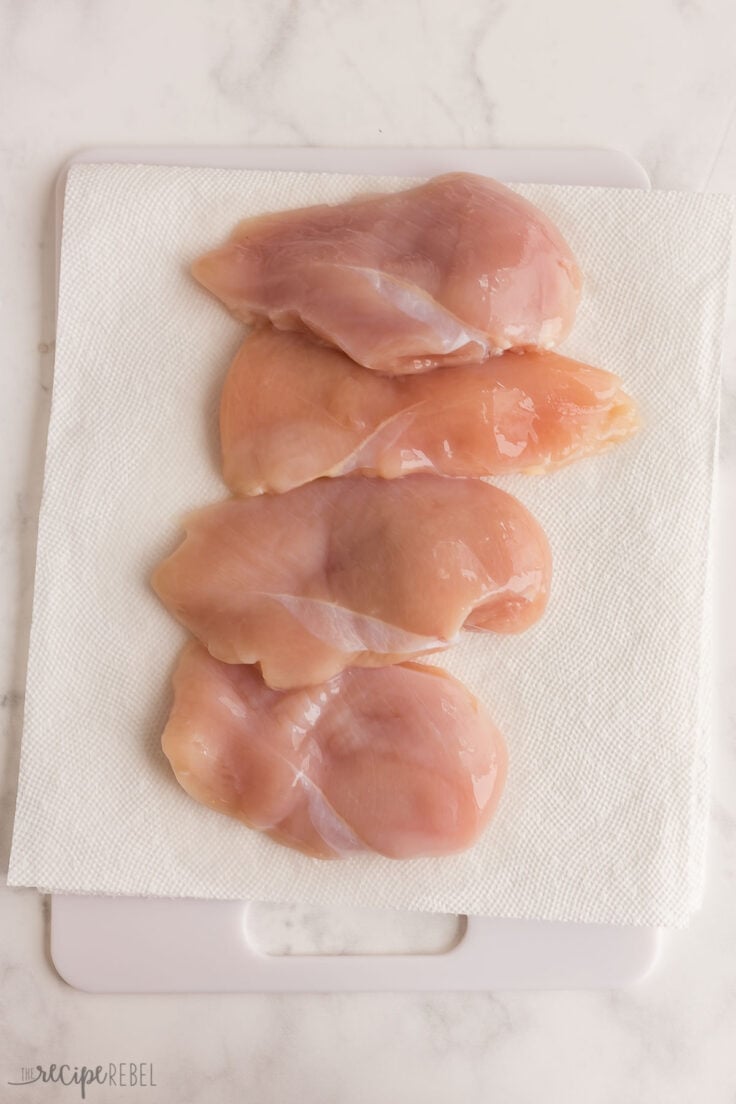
(145, 945)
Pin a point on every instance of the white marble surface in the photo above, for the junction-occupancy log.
(655, 79)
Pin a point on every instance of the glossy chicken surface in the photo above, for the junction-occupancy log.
(293, 411)
(356, 572)
(402, 761)
(450, 272)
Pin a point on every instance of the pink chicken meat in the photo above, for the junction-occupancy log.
(450, 272)
(293, 411)
(357, 572)
(401, 761)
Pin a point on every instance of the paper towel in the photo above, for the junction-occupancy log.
(603, 703)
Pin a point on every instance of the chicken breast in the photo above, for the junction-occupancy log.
(293, 411)
(447, 273)
(402, 761)
(358, 572)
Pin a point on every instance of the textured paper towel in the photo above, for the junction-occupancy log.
(604, 703)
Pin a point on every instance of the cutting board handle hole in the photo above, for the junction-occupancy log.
(293, 930)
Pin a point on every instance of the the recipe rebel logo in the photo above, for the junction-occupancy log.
(121, 1075)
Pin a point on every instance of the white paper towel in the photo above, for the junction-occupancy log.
(603, 704)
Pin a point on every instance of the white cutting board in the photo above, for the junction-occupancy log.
(146, 945)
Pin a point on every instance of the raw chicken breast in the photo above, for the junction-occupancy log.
(447, 273)
(402, 761)
(360, 572)
(293, 411)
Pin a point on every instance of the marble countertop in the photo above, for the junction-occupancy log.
(422, 73)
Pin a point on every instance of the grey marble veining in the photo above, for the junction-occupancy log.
(78, 73)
